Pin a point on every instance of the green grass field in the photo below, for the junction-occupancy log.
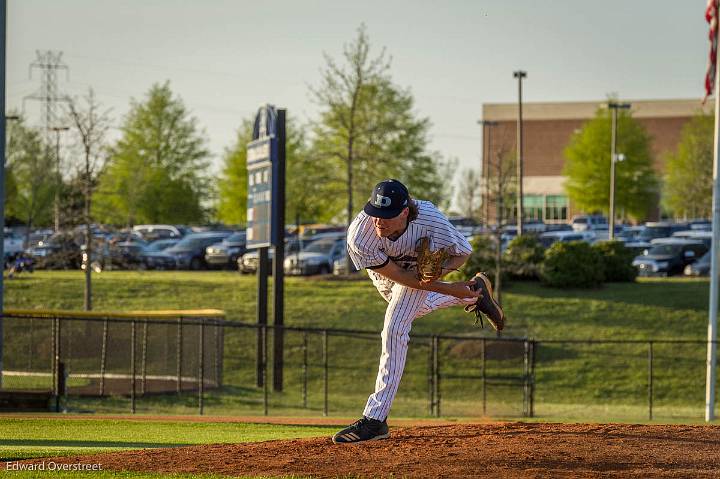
(601, 382)
(578, 382)
(24, 438)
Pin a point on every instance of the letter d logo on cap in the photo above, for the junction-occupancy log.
(382, 201)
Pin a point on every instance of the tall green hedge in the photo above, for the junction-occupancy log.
(574, 264)
(617, 259)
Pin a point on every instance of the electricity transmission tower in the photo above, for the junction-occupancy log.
(50, 63)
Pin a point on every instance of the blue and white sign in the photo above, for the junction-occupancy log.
(262, 180)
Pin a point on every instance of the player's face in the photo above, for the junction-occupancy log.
(390, 226)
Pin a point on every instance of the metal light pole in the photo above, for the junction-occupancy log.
(3, 59)
(486, 162)
(58, 179)
(711, 362)
(613, 106)
(519, 74)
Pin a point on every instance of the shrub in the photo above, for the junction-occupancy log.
(574, 264)
(617, 260)
(481, 259)
(523, 257)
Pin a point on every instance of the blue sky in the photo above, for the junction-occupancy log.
(225, 58)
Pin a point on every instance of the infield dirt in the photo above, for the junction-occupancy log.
(517, 450)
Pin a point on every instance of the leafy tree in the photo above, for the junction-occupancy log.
(523, 257)
(156, 172)
(305, 179)
(587, 167)
(687, 189)
(233, 181)
(31, 180)
(368, 130)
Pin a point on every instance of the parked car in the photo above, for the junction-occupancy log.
(700, 267)
(589, 222)
(668, 256)
(189, 252)
(340, 266)
(700, 225)
(604, 234)
(154, 255)
(551, 237)
(699, 235)
(655, 230)
(534, 226)
(558, 227)
(248, 263)
(466, 226)
(60, 251)
(162, 244)
(317, 258)
(38, 236)
(226, 253)
(12, 244)
(107, 256)
(629, 234)
(154, 232)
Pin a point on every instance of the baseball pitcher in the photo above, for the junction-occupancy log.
(406, 246)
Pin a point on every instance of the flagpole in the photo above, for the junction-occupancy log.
(714, 279)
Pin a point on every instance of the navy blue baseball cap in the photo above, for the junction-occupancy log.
(387, 200)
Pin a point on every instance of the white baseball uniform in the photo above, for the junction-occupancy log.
(368, 250)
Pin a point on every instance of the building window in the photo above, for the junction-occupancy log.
(533, 207)
(556, 207)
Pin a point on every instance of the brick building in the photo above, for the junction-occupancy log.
(547, 128)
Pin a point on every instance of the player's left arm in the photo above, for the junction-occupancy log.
(454, 263)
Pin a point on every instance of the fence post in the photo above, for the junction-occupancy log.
(263, 363)
(30, 346)
(143, 364)
(526, 378)
(201, 367)
(178, 350)
(304, 368)
(55, 355)
(103, 357)
(533, 348)
(325, 371)
(436, 380)
(484, 377)
(430, 378)
(132, 367)
(650, 380)
(218, 355)
(60, 386)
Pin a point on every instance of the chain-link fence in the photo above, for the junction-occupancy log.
(110, 354)
(202, 363)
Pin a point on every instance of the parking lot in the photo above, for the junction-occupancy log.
(662, 248)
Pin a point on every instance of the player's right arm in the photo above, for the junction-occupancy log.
(459, 289)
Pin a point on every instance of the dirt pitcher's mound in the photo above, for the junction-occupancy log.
(464, 450)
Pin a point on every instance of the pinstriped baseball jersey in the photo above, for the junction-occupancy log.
(368, 250)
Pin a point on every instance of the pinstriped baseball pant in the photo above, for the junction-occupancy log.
(404, 306)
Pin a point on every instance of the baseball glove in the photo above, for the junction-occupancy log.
(429, 263)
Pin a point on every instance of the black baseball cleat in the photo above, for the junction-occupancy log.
(486, 304)
(365, 429)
